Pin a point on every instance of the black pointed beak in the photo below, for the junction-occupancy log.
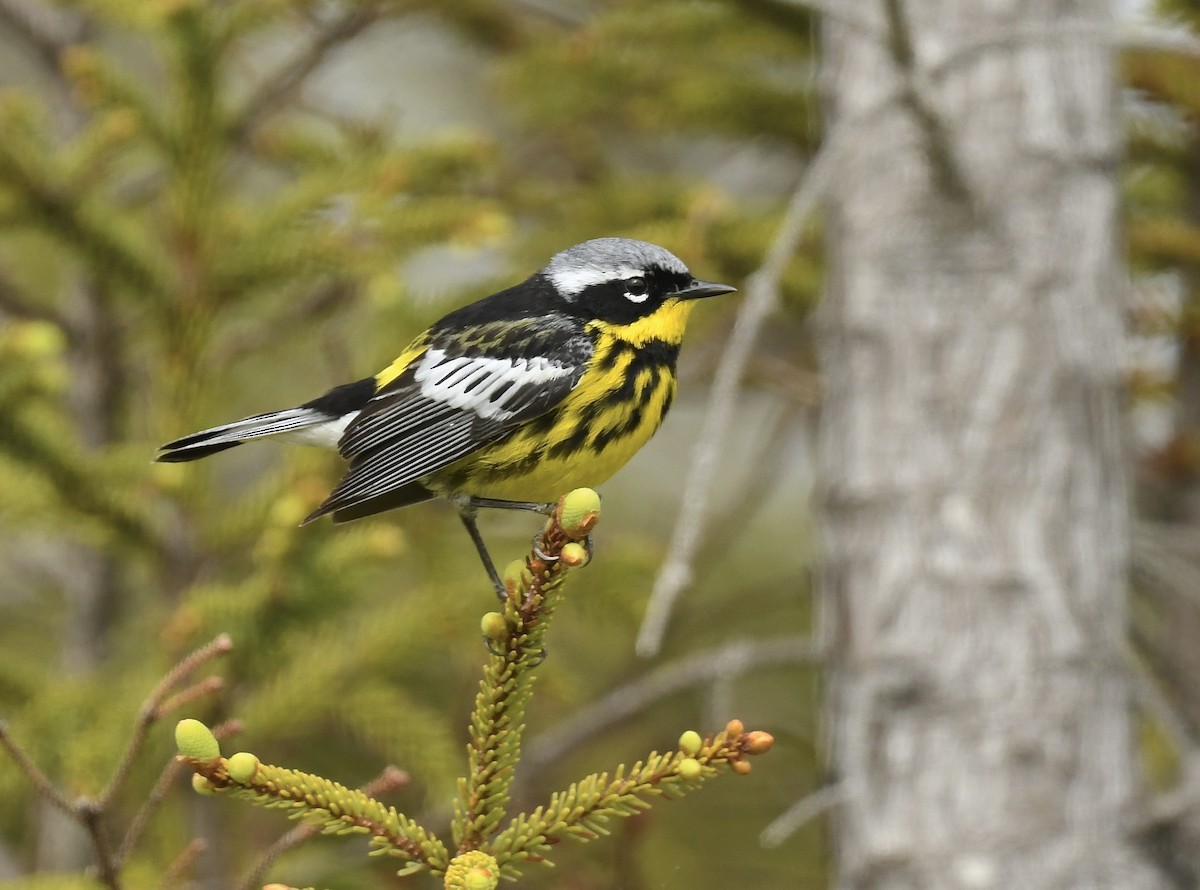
(698, 289)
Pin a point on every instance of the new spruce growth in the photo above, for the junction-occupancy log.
(489, 844)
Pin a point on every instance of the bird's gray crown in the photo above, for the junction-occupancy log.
(606, 259)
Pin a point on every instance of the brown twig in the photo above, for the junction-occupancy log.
(90, 814)
(625, 701)
(183, 863)
(762, 294)
(276, 89)
(801, 812)
(166, 779)
(151, 711)
(137, 825)
(37, 778)
(765, 464)
(207, 686)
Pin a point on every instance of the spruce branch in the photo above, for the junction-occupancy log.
(581, 811)
(93, 813)
(331, 806)
(72, 474)
(485, 853)
(390, 779)
(32, 176)
(98, 82)
(517, 645)
(162, 786)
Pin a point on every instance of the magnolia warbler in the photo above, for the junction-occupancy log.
(551, 384)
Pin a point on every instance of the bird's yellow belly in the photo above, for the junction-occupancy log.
(583, 441)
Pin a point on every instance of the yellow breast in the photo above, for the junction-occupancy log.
(607, 418)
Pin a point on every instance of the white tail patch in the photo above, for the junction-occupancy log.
(294, 424)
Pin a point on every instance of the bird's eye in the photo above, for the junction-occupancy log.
(636, 289)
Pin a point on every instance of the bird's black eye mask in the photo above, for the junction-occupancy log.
(625, 300)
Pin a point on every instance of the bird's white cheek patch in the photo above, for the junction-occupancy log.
(486, 386)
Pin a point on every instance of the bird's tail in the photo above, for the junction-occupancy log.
(218, 438)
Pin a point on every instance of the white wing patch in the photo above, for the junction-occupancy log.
(574, 280)
(483, 385)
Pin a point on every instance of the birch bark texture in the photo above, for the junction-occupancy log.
(975, 510)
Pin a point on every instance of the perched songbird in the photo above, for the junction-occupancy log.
(508, 402)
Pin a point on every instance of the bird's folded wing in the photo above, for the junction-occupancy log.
(442, 408)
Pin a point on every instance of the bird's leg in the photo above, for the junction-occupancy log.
(530, 506)
(495, 504)
(466, 512)
(467, 509)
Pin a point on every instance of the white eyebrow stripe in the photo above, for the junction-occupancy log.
(573, 281)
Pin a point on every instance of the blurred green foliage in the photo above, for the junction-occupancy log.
(189, 234)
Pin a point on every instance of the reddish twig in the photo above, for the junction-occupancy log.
(151, 710)
(37, 778)
(166, 779)
(183, 863)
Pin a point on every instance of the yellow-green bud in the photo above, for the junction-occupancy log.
(479, 879)
(195, 740)
(242, 767)
(689, 768)
(494, 627)
(573, 555)
(473, 870)
(690, 742)
(201, 785)
(517, 576)
(579, 512)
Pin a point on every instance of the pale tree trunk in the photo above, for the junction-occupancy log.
(975, 508)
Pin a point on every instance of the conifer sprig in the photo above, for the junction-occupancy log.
(333, 806)
(516, 640)
(484, 854)
(581, 811)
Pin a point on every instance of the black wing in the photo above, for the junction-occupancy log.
(451, 401)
